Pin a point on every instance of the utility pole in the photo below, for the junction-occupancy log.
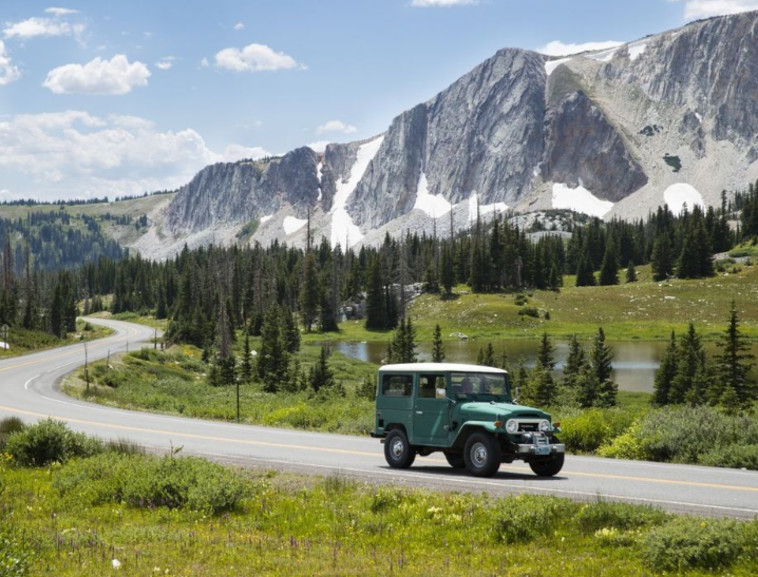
(86, 369)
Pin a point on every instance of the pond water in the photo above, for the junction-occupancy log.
(634, 362)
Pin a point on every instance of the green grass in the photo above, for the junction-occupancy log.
(644, 310)
(23, 341)
(55, 521)
(174, 382)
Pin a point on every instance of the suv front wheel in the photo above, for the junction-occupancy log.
(397, 451)
(482, 455)
(549, 466)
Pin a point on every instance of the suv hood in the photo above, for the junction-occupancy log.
(491, 411)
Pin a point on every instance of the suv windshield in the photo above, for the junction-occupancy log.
(480, 386)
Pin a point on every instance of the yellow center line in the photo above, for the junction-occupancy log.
(251, 442)
(193, 435)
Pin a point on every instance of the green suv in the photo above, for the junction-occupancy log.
(467, 412)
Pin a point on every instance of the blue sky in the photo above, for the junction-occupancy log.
(109, 98)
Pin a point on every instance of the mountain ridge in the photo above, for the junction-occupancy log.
(629, 127)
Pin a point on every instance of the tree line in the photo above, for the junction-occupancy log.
(210, 292)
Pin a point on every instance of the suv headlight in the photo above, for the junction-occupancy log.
(545, 426)
(511, 426)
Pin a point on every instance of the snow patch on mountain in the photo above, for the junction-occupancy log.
(292, 224)
(344, 231)
(483, 209)
(636, 49)
(579, 199)
(435, 205)
(679, 195)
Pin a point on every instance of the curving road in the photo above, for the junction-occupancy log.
(28, 390)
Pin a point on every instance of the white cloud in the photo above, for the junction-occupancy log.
(165, 63)
(239, 26)
(235, 152)
(74, 154)
(8, 72)
(434, 3)
(694, 9)
(114, 76)
(318, 146)
(336, 126)
(254, 58)
(35, 27)
(558, 48)
(60, 11)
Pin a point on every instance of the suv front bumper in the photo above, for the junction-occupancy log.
(538, 444)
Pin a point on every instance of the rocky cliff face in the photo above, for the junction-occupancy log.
(625, 125)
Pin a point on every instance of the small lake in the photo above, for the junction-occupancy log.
(634, 362)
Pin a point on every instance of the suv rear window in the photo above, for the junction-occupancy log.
(397, 385)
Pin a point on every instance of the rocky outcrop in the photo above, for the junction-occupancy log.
(481, 135)
(708, 67)
(584, 149)
(234, 193)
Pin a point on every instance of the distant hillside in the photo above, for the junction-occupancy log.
(65, 235)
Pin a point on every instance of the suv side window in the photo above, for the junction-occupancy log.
(429, 385)
(397, 385)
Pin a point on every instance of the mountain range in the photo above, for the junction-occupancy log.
(671, 118)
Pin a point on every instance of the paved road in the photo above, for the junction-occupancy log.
(27, 389)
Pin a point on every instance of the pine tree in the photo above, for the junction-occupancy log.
(309, 292)
(544, 388)
(601, 359)
(609, 269)
(733, 365)
(666, 373)
(584, 273)
(661, 260)
(573, 367)
(438, 349)
(402, 348)
(587, 387)
(486, 356)
(273, 360)
(321, 375)
(690, 362)
(376, 300)
(447, 269)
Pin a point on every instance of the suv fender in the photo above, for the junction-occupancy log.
(471, 427)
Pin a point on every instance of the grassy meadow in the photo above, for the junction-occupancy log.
(24, 341)
(103, 515)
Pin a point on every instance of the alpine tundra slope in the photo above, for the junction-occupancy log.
(28, 390)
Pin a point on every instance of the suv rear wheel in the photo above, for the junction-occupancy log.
(397, 451)
(482, 455)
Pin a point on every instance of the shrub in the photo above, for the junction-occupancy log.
(184, 482)
(49, 441)
(529, 312)
(625, 516)
(737, 457)
(681, 544)
(589, 429)
(526, 517)
(145, 481)
(7, 426)
(683, 435)
(96, 480)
